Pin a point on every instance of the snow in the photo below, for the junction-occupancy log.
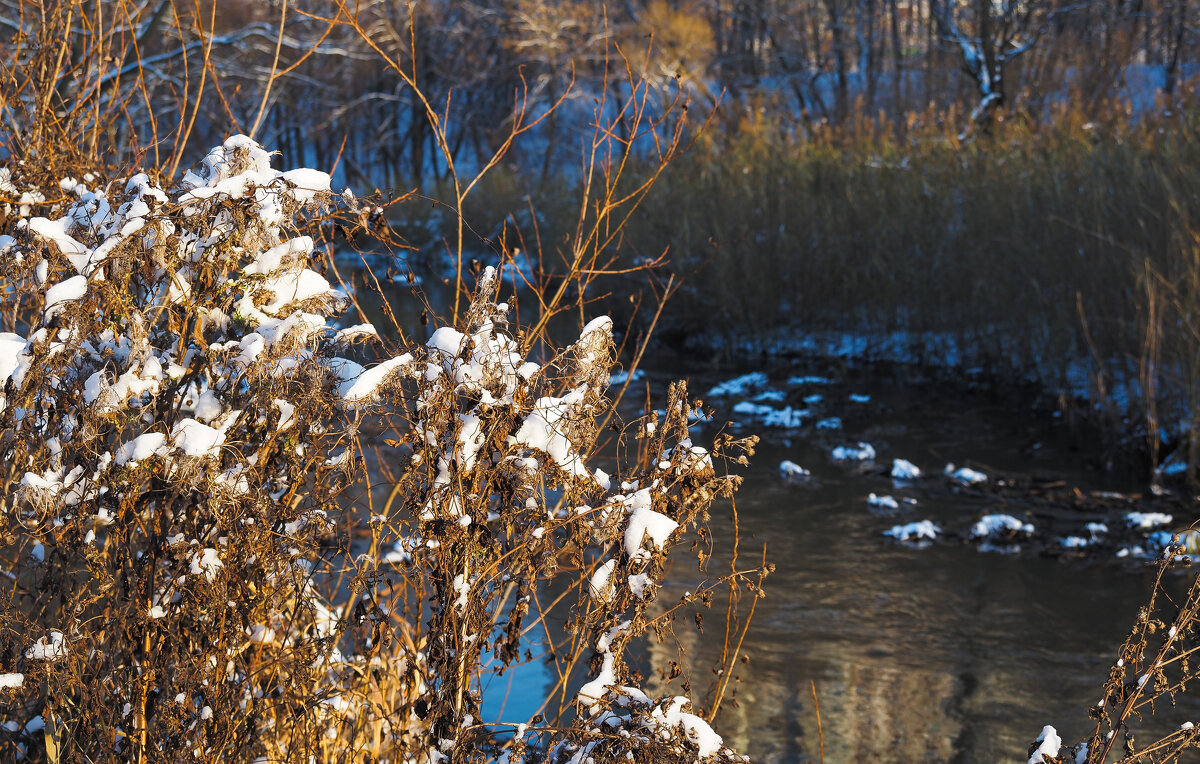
(365, 385)
(858, 398)
(598, 324)
(448, 340)
(830, 423)
(591, 693)
(863, 452)
(790, 469)
(739, 385)
(1050, 743)
(356, 332)
(599, 587)
(747, 408)
(770, 396)
(693, 727)
(801, 381)
(787, 418)
(965, 475)
(884, 502)
(207, 562)
(308, 183)
(56, 232)
(644, 521)
(142, 447)
(543, 429)
(287, 414)
(1074, 542)
(10, 681)
(991, 525)
(62, 293)
(11, 348)
(471, 438)
(1146, 520)
(276, 257)
(462, 589)
(196, 439)
(49, 648)
(905, 470)
(134, 383)
(924, 529)
(639, 585)
(290, 288)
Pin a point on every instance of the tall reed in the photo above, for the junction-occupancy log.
(1061, 253)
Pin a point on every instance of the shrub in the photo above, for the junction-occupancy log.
(192, 578)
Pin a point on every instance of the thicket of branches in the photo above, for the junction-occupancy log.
(308, 77)
(195, 423)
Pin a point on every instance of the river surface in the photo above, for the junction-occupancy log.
(940, 652)
(951, 651)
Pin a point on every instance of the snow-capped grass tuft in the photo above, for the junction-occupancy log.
(883, 502)
(1147, 520)
(924, 529)
(903, 469)
(965, 475)
(739, 385)
(194, 492)
(999, 525)
(861, 452)
(768, 416)
(791, 470)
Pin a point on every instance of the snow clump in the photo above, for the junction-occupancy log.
(862, 452)
(790, 469)
(1147, 520)
(999, 524)
(883, 502)
(1048, 744)
(49, 648)
(965, 475)
(905, 470)
(924, 529)
(739, 385)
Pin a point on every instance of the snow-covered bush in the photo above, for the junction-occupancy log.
(192, 578)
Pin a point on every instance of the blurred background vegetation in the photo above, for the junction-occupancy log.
(1002, 186)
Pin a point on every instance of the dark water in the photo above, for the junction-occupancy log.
(941, 653)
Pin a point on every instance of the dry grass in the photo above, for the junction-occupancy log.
(1052, 253)
(200, 566)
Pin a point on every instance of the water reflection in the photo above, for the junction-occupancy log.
(936, 654)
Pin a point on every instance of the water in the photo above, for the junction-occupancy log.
(942, 653)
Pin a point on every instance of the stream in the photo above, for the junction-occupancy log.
(959, 649)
